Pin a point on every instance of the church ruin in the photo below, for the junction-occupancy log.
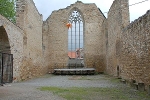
(111, 45)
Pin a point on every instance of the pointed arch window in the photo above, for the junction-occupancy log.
(75, 35)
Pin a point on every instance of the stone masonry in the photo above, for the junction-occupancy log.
(118, 18)
(55, 34)
(112, 45)
(29, 19)
(13, 37)
(134, 53)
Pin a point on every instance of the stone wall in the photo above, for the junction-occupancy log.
(14, 38)
(111, 45)
(20, 13)
(118, 18)
(93, 47)
(56, 33)
(29, 19)
(135, 51)
(105, 42)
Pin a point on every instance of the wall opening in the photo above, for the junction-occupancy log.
(118, 71)
(4, 42)
(76, 38)
(6, 59)
(6, 68)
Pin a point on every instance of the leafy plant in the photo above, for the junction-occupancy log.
(7, 9)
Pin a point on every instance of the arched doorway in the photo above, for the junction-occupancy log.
(76, 39)
(6, 59)
(4, 42)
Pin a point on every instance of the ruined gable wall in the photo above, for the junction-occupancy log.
(55, 39)
(29, 19)
(135, 47)
(118, 18)
(57, 35)
(94, 52)
(15, 37)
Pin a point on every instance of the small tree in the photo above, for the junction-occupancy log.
(7, 9)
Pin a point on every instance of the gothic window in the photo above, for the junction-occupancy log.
(75, 35)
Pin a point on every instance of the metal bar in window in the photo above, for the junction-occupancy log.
(79, 34)
(75, 36)
(71, 41)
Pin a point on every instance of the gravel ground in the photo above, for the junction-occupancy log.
(27, 90)
(69, 81)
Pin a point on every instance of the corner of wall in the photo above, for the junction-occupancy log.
(125, 13)
(118, 19)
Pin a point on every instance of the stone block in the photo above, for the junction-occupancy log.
(149, 89)
(141, 86)
(123, 81)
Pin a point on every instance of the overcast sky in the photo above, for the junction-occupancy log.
(45, 7)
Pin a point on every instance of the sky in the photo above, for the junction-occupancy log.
(45, 7)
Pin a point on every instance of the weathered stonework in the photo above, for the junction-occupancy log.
(118, 18)
(14, 37)
(134, 53)
(56, 32)
(29, 19)
(111, 45)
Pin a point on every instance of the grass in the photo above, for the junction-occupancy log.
(92, 93)
(119, 92)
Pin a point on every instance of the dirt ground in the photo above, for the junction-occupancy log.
(28, 90)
